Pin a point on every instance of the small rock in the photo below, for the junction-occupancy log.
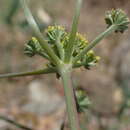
(43, 99)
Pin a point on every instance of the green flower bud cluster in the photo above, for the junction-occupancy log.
(58, 32)
(33, 48)
(80, 44)
(57, 36)
(54, 33)
(83, 102)
(90, 59)
(119, 18)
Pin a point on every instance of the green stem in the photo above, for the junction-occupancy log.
(44, 55)
(38, 34)
(15, 123)
(65, 72)
(60, 48)
(37, 72)
(71, 42)
(95, 42)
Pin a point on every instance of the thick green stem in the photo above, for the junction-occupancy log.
(65, 72)
(95, 42)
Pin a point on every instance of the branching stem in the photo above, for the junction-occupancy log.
(95, 42)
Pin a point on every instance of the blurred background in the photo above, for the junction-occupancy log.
(38, 101)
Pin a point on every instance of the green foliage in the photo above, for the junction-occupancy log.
(83, 102)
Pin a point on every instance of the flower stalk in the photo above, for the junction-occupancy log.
(60, 47)
(30, 73)
(73, 32)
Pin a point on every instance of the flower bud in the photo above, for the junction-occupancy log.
(91, 59)
(55, 32)
(32, 47)
(119, 18)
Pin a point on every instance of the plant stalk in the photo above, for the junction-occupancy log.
(65, 73)
(36, 72)
(73, 32)
(60, 48)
